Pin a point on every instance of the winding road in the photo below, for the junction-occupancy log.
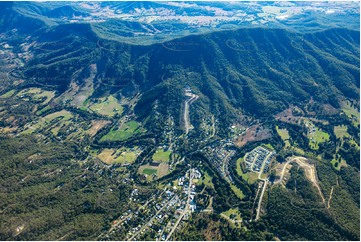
(310, 171)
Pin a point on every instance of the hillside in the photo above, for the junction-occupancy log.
(158, 121)
(255, 71)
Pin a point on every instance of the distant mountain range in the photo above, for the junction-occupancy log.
(150, 22)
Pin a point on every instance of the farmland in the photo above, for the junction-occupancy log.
(122, 133)
(161, 155)
(316, 137)
(64, 115)
(158, 170)
(285, 136)
(108, 106)
(122, 156)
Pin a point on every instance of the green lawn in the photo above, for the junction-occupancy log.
(149, 171)
(249, 177)
(126, 157)
(340, 164)
(269, 146)
(233, 211)
(66, 115)
(126, 131)
(161, 155)
(318, 137)
(206, 180)
(237, 191)
(107, 106)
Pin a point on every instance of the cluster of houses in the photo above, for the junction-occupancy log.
(255, 159)
(219, 154)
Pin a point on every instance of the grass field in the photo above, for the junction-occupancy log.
(285, 136)
(106, 156)
(234, 213)
(237, 191)
(351, 112)
(108, 106)
(124, 132)
(8, 94)
(160, 170)
(161, 155)
(96, 126)
(149, 171)
(66, 115)
(250, 177)
(317, 137)
(206, 180)
(120, 156)
(299, 150)
(46, 108)
(340, 131)
(269, 146)
(37, 94)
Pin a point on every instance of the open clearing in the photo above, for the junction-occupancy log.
(233, 215)
(310, 172)
(206, 180)
(122, 156)
(340, 131)
(162, 156)
(285, 136)
(96, 125)
(160, 170)
(63, 114)
(8, 94)
(237, 191)
(249, 177)
(124, 132)
(317, 137)
(254, 133)
(351, 112)
(108, 106)
(37, 94)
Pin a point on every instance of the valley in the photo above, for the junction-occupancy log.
(119, 122)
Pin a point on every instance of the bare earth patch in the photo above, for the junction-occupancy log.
(96, 126)
(254, 133)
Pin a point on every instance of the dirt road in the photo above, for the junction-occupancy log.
(310, 172)
(261, 198)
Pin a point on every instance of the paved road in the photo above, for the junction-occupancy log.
(152, 218)
(186, 209)
(193, 97)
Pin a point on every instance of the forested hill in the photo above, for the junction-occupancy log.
(256, 70)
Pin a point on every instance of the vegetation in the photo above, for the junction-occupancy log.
(48, 196)
(107, 106)
(250, 177)
(85, 120)
(149, 171)
(122, 133)
(161, 155)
